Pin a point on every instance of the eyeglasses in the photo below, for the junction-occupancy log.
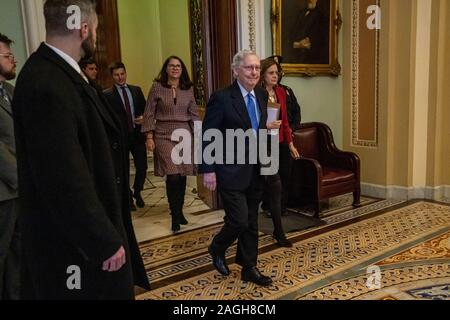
(10, 56)
(174, 66)
(251, 68)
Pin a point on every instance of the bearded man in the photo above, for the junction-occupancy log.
(78, 240)
(9, 226)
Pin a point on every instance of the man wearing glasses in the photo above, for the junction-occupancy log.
(9, 233)
(242, 106)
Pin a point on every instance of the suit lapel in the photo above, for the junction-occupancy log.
(262, 104)
(95, 99)
(49, 54)
(240, 106)
(9, 91)
(119, 105)
(110, 110)
(5, 105)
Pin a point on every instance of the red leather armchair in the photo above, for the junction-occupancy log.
(323, 171)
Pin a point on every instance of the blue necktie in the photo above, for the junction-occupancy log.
(251, 108)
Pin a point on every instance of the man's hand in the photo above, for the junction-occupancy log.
(303, 44)
(116, 262)
(210, 181)
(150, 143)
(139, 120)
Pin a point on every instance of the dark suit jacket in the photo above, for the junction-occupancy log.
(294, 110)
(227, 110)
(72, 179)
(8, 163)
(114, 99)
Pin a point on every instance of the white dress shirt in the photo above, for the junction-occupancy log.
(68, 59)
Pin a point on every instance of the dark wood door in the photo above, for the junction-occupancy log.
(214, 44)
(108, 40)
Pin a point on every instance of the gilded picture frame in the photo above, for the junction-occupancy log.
(306, 34)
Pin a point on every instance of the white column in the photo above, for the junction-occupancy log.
(34, 23)
(421, 63)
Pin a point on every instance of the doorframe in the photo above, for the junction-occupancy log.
(214, 42)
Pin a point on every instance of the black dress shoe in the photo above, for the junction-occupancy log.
(139, 201)
(219, 261)
(182, 220)
(253, 275)
(175, 226)
(283, 241)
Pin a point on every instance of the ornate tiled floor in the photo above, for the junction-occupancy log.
(408, 242)
(420, 272)
(179, 255)
(154, 221)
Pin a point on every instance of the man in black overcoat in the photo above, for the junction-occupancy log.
(78, 240)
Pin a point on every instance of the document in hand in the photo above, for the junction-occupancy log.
(273, 114)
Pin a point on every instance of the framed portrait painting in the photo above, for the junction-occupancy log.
(305, 34)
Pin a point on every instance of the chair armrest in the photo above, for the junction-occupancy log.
(309, 169)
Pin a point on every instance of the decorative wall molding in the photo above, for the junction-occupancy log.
(403, 193)
(356, 141)
(252, 26)
(198, 62)
(33, 23)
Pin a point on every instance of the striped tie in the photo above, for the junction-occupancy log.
(3, 94)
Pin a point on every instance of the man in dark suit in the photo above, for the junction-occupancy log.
(129, 103)
(242, 106)
(89, 72)
(78, 240)
(9, 227)
(89, 68)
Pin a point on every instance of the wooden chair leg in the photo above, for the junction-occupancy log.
(357, 199)
(317, 209)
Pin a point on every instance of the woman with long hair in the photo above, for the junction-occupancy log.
(171, 106)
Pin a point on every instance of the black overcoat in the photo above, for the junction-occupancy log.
(72, 178)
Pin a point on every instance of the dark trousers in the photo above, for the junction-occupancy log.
(285, 174)
(9, 250)
(273, 190)
(241, 222)
(137, 148)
